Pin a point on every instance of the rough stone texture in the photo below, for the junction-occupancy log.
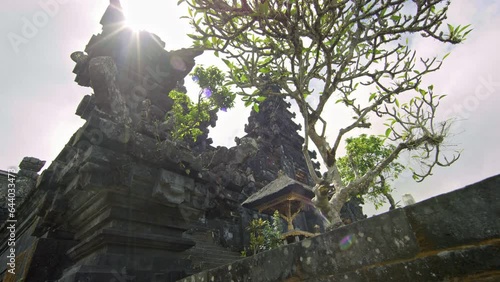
(435, 220)
(452, 237)
(113, 202)
(27, 177)
(122, 200)
(31, 164)
(280, 149)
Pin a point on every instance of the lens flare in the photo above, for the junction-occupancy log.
(178, 63)
(347, 242)
(207, 92)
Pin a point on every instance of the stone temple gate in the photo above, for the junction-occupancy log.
(122, 201)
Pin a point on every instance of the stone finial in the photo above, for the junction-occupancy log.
(113, 15)
(31, 164)
(408, 199)
(27, 176)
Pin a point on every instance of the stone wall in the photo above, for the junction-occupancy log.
(452, 237)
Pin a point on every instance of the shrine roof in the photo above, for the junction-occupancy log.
(281, 186)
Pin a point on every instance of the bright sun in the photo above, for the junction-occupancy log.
(146, 14)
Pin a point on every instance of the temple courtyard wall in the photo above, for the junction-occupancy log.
(451, 237)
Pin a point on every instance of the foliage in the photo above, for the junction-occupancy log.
(356, 54)
(363, 153)
(264, 235)
(186, 116)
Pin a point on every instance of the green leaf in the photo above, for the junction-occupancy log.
(228, 63)
(464, 28)
(446, 55)
(265, 70)
(450, 28)
(388, 132)
(466, 33)
(264, 8)
(396, 18)
(256, 107)
(243, 78)
(248, 103)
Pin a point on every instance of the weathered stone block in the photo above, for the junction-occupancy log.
(171, 187)
(444, 266)
(48, 258)
(387, 237)
(354, 276)
(267, 266)
(32, 164)
(460, 217)
(31, 175)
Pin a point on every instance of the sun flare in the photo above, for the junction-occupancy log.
(146, 14)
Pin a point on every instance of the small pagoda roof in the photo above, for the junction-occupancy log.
(277, 189)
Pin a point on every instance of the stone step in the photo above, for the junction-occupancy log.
(213, 252)
(211, 248)
(213, 260)
(208, 265)
(207, 254)
(228, 255)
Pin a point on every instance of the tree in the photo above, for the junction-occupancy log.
(264, 235)
(363, 153)
(186, 116)
(354, 52)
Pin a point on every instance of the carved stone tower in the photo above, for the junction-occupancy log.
(280, 145)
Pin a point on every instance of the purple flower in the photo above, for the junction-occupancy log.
(195, 78)
(224, 109)
(207, 92)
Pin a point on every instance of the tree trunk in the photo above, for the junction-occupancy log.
(330, 210)
(390, 199)
(387, 194)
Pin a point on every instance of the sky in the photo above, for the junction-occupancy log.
(39, 96)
